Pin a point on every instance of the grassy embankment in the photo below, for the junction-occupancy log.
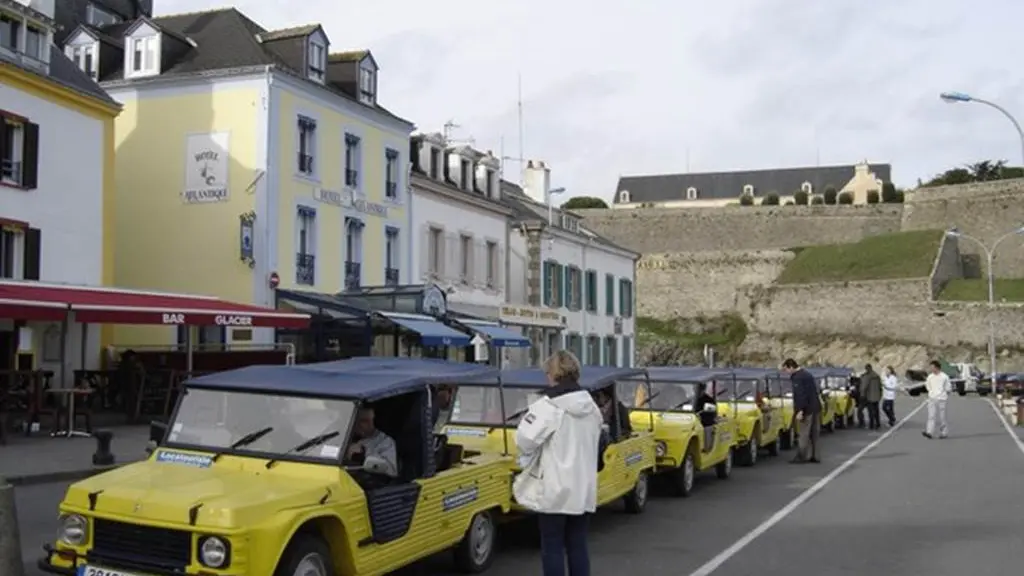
(884, 257)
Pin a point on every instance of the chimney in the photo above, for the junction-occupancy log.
(537, 180)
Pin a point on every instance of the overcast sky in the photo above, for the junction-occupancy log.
(620, 87)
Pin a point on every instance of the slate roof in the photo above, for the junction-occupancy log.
(723, 185)
(526, 210)
(220, 41)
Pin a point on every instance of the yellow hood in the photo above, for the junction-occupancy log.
(231, 496)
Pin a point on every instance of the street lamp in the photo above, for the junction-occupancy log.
(990, 257)
(957, 97)
(553, 192)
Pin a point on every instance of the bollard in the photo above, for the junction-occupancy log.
(10, 539)
(103, 456)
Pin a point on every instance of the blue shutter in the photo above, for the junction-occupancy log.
(547, 283)
(609, 295)
(566, 271)
(622, 298)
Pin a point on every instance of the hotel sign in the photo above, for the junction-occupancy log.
(370, 208)
(332, 197)
(207, 158)
(530, 316)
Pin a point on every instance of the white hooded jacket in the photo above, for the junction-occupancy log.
(558, 442)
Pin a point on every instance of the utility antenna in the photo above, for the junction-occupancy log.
(450, 127)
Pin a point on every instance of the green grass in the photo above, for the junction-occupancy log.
(976, 290)
(723, 331)
(889, 256)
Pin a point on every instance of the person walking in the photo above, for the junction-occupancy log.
(558, 441)
(890, 386)
(938, 386)
(871, 392)
(807, 406)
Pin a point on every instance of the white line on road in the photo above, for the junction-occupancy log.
(716, 562)
(1009, 430)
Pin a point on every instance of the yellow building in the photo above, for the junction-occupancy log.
(248, 161)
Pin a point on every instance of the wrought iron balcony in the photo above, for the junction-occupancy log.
(391, 276)
(353, 275)
(305, 269)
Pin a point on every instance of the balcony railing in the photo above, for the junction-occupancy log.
(305, 269)
(352, 178)
(391, 276)
(391, 189)
(353, 275)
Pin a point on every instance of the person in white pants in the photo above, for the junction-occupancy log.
(939, 387)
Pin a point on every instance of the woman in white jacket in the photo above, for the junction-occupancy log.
(558, 442)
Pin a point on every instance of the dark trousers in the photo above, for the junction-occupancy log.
(889, 407)
(564, 537)
(862, 406)
(875, 421)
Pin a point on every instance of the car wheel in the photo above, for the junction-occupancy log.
(786, 439)
(476, 551)
(749, 453)
(307, 555)
(773, 447)
(840, 421)
(683, 477)
(724, 468)
(636, 500)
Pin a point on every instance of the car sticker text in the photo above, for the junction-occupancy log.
(633, 458)
(459, 498)
(184, 458)
(480, 432)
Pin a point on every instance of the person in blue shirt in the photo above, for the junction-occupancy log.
(807, 406)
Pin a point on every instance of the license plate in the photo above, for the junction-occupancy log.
(97, 571)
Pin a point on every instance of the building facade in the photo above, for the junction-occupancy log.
(716, 189)
(56, 175)
(584, 282)
(249, 160)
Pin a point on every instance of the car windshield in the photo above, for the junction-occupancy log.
(482, 405)
(777, 386)
(745, 390)
(267, 424)
(664, 397)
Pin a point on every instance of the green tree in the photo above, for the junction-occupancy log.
(584, 202)
(845, 198)
(830, 194)
(889, 195)
(770, 200)
(746, 200)
(817, 201)
(873, 197)
(800, 197)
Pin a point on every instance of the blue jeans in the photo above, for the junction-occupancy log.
(562, 536)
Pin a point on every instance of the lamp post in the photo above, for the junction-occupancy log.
(956, 97)
(553, 192)
(990, 258)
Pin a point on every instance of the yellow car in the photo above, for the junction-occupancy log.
(837, 380)
(780, 389)
(486, 412)
(758, 423)
(259, 474)
(829, 398)
(684, 445)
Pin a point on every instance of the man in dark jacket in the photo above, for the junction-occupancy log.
(807, 407)
(871, 394)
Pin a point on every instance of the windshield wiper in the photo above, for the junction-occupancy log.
(314, 441)
(245, 440)
(647, 400)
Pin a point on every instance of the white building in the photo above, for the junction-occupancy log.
(585, 280)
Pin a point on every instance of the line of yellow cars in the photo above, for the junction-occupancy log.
(255, 473)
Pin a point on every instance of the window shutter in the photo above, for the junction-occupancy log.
(33, 253)
(566, 295)
(30, 157)
(547, 284)
(609, 295)
(3, 137)
(622, 298)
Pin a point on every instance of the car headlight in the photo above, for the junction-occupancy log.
(213, 552)
(660, 448)
(74, 530)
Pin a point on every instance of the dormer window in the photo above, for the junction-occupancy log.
(435, 163)
(691, 193)
(84, 57)
(624, 197)
(317, 58)
(489, 183)
(367, 84)
(143, 55)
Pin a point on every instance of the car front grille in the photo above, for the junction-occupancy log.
(141, 546)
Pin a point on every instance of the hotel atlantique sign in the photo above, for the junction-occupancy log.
(350, 198)
(530, 316)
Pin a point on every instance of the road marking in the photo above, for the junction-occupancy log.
(716, 562)
(1006, 424)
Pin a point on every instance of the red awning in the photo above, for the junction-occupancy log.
(94, 305)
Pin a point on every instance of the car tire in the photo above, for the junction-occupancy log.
(840, 421)
(683, 477)
(636, 500)
(773, 447)
(961, 393)
(724, 468)
(306, 554)
(749, 451)
(475, 552)
(786, 439)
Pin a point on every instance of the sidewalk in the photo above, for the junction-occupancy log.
(41, 459)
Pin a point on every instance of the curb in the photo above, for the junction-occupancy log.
(60, 476)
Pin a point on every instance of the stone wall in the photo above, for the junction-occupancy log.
(654, 230)
(985, 211)
(689, 284)
(948, 265)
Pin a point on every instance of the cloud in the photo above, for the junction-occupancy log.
(615, 88)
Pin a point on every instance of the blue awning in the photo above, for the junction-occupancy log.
(432, 332)
(497, 335)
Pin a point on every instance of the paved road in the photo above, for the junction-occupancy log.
(899, 510)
